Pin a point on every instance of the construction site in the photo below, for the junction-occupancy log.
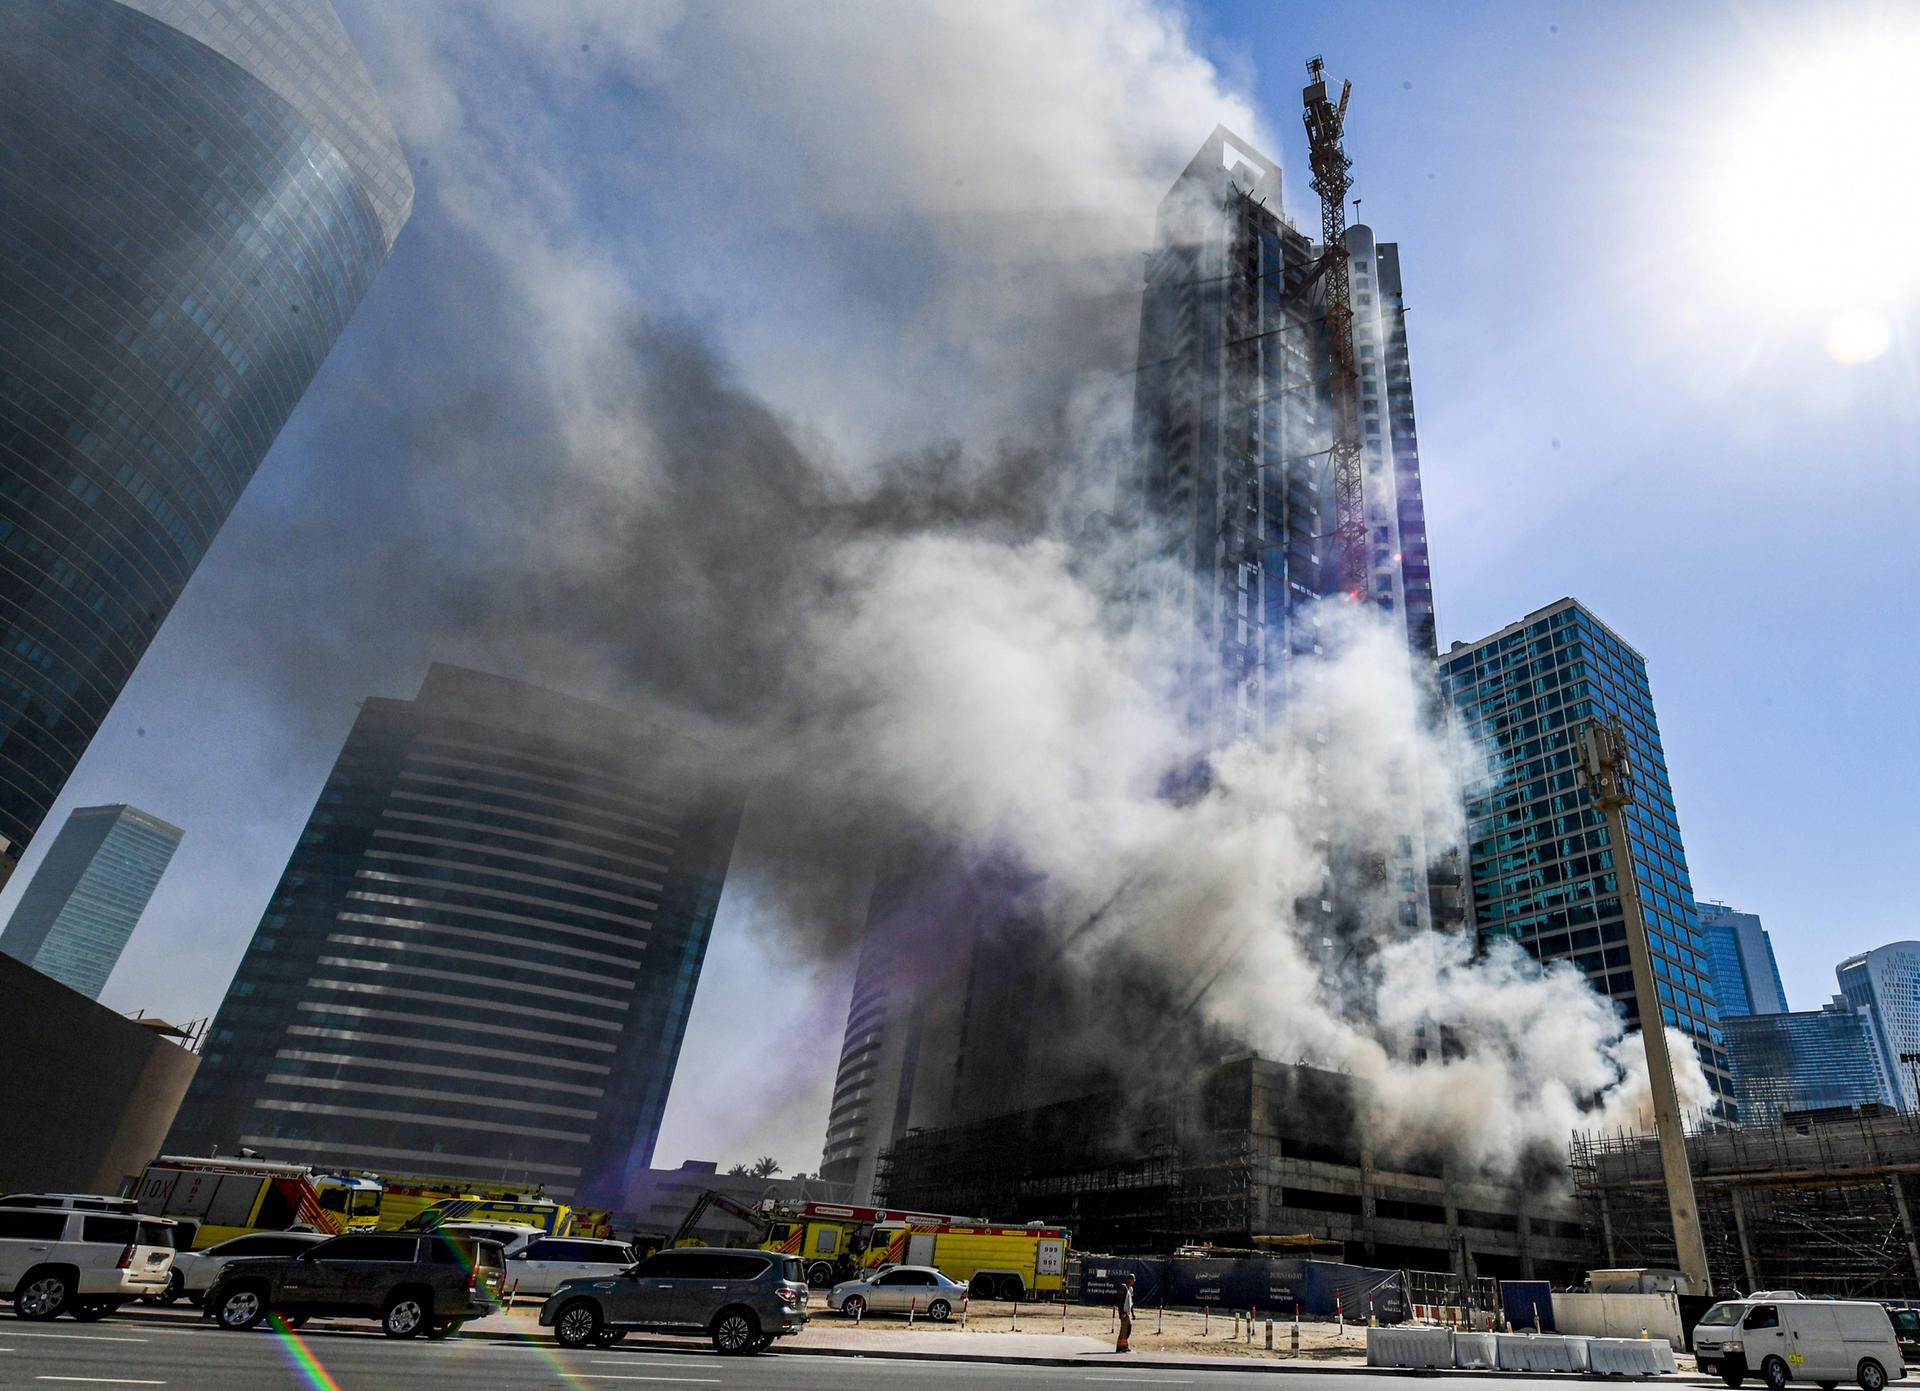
(1261, 1156)
(1821, 1202)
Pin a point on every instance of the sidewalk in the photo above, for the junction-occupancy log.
(831, 1336)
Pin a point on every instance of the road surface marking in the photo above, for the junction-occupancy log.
(1142, 1381)
(105, 1381)
(678, 1381)
(669, 1362)
(76, 1337)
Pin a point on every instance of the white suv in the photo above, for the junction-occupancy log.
(87, 1263)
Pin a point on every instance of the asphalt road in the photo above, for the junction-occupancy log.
(143, 1353)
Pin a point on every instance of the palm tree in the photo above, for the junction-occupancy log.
(766, 1166)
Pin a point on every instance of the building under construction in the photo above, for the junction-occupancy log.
(1259, 1155)
(1821, 1202)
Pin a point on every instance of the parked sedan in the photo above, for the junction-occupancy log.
(194, 1272)
(899, 1289)
(541, 1266)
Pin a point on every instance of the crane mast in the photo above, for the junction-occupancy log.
(1326, 122)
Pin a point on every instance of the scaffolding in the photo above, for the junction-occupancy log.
(1168, 1185)
(1821, 1202)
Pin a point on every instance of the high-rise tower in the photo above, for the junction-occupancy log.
(81, 905)
(1746, 978)
(481, 956)
(196, 195)
(1543, 870)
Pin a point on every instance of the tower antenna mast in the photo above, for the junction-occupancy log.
(1326, 122)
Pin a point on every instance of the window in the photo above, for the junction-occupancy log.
(32, 1226)
(120, 1231)
(368, 1248)
(1763, 1316)
(669, 1265)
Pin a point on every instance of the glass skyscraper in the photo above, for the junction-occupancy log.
(1542, 869)
(479, 961)
(1885, 982)
(195, 196)
(1746, 979)
(80, 908)
(1805, 1062)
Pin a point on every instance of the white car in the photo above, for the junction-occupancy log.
(80, 1261)
(195, 1271)
(540, 1266)
(899, 1289)
(511, 1235)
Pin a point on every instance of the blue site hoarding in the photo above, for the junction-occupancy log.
(1315, 1288)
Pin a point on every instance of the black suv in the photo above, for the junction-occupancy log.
(742, 1300)
(410, 1282)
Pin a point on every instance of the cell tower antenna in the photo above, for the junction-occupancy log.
(1326, 122)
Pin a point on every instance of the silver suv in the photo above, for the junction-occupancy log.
(742, 1300)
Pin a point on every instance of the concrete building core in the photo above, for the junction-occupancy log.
(1253, 1149)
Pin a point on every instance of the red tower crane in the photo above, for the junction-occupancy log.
(1326, 121)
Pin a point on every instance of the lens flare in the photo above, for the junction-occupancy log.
(1858, 336)
(302, 1356)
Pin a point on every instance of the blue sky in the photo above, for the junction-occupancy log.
(1616, 405)
(1627, 236)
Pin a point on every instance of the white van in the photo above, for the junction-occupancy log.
(1824, 1341)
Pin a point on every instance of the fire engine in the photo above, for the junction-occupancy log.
(993, 1262)
(833, 1239)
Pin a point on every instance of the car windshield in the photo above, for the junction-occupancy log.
(1719, 1315)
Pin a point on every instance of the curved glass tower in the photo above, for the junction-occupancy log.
(194, 196)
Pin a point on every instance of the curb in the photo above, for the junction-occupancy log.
(1142, 1363)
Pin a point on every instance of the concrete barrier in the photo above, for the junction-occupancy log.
(1409, 1346)
(1544, 1352)
(1475, 1351)
(1634, 1357)
(1619, 1315)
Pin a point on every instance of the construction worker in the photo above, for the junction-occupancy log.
(1124, 1302)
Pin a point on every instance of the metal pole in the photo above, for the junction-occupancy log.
(1602, 746)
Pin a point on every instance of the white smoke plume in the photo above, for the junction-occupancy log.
(874, 560)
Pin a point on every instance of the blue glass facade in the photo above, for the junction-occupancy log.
(1805, 1062)
(76, 915)
(180, 245)
(1542, 869)
(480, 958)
(1746, 979)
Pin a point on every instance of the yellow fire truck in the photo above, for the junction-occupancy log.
(411, 1202)
(833, 1239)
(211, 1200)
(994, 1262)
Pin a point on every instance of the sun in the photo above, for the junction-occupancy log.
(1813, 189)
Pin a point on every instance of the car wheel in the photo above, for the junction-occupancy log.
(578, 1326)
(43, 1294)
(238, 1308)
(1011, 1289)
(1774, 1372)
(735, 1332)
(939, 1311)
(91, 1310)
(1731, 1377)
(610, 1337)
(854, 1307)
(176, 1287)
(1872, 1376)
(820, 1275)
(405, 1316)
(445, 1328)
